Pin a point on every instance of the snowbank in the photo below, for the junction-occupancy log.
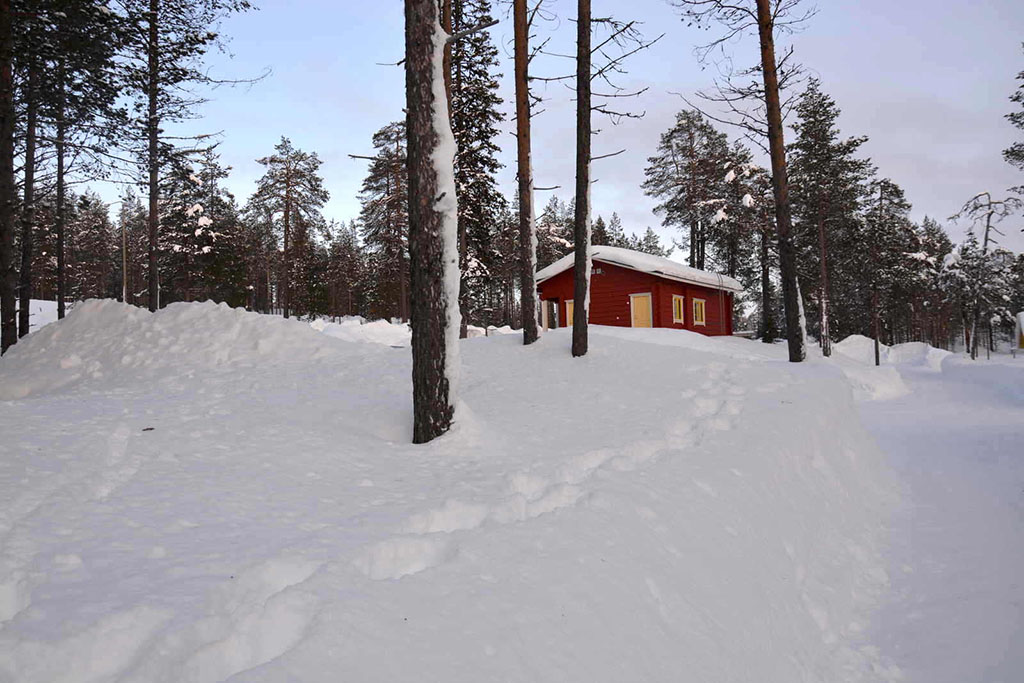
(240, 499)
(356, 329)
(861, 349)
(103, 341)
(918, 353)
(856, 356)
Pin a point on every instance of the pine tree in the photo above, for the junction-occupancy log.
(885, 226)
(162, 62)
(346, 271)
(827, 185)
(1014, 154)
(686, 176)
(384, 222)
(616, 235)
(91, 263)
(292, 190)
(475, 118)
(201, 239)
(554, 232)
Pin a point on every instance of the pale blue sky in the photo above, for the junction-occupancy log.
(927, 81)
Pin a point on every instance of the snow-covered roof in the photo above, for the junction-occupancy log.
(645, 263)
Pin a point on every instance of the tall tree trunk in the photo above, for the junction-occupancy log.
(876, 322)
(692, 258)
(581, 224)
(8, 324)
(153, 160)
(286, 287)
(29, 209)
(826, 341)
(983, 271)
(780, 182)
(767, 316)
(60, 218)
(527, 236)
(433, 225)
(124, 262)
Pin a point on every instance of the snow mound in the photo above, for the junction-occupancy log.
(103, 340)
(861, 349)
(856, 356)
(254, 510)
(918, 353)
(356, 329)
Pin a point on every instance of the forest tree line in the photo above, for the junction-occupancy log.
(92, 87)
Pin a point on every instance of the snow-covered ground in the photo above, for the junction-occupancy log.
(205, 494)
(956, 439)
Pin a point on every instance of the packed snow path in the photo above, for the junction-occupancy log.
(957, 555)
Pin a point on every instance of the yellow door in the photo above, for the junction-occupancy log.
(641, 307)
(568, 313)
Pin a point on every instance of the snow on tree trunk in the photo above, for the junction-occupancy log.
(433, 225)
(581, 226)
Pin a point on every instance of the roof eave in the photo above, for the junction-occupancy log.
(656, 273)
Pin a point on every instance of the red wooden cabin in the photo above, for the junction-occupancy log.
(632, 289)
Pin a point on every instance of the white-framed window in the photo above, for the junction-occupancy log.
(698, 312)
(678, 312)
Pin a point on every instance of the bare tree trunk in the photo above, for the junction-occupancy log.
(527, 238)
(60, 218)
(780, 182)
(153, 160)
(8, 324)
(581, 224)
(29, 208)
(432, 216)
(981, 276)
(826, 341)
(876, 321)
(767, 316)
(286, 287)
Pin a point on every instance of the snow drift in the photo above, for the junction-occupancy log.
(239, 500)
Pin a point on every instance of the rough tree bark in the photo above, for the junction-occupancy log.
(527, 244)
(432, 223)
(780, 182)
(8, 326)
(581, 227)
(29, 206)
(153, 161)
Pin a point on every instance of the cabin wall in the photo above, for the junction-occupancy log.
(611, 285)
